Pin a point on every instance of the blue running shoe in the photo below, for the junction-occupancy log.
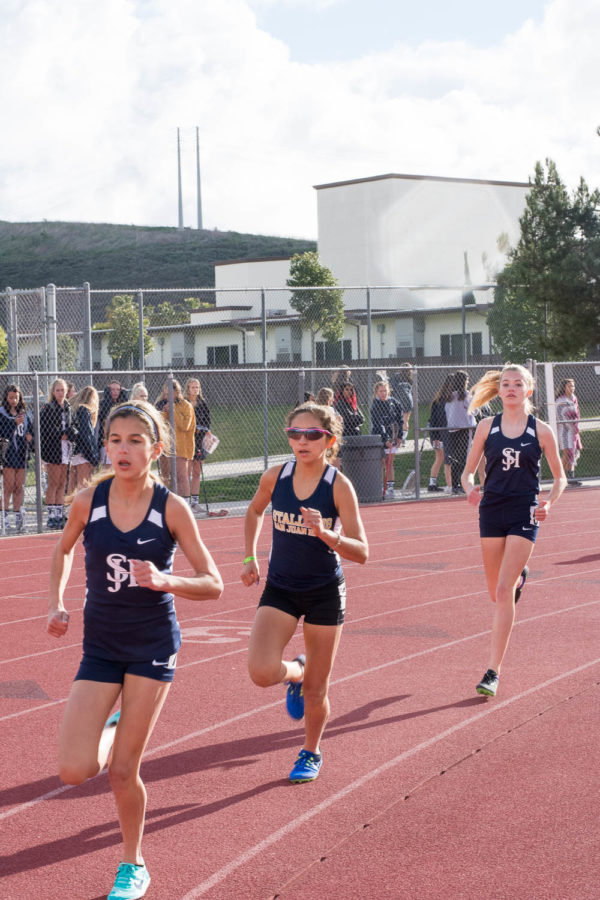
(131, 882)
(112, 720)
(294, 699)
(307, 767)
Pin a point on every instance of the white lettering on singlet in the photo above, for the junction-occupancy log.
(511, 458)
(294, 524)
(121, 572)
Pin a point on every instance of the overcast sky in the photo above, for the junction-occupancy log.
(286, 94)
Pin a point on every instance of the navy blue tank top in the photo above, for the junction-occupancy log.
(299, 561)
(512, 465)
(121, 620)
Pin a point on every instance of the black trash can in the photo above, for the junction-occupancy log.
(361, 463)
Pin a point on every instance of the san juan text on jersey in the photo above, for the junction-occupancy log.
(299, 561)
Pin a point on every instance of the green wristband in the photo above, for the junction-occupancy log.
(249, 559)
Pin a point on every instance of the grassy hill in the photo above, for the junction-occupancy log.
(33, 254)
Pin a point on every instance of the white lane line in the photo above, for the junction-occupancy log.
(238, 651)
(277, 703)
(223, 873)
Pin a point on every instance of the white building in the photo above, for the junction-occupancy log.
(418, 242)
(403, 247)
(415, 229)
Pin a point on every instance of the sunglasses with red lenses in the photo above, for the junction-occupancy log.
(311, 434)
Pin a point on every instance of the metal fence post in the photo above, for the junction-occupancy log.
(44, 329)
(87, 328)
(263, 310)
(51, 324)
(301, 385)
(140, 300)
(369, 359)
(171, 403)
(37, 443)
(550, 399)
(415, 392)
(12, 337)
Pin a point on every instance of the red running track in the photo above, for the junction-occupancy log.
(426, 791)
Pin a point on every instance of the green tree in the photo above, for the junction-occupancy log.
(123, 342)
(168, 314)
(66, 348)
(320, 310)
(547, 303)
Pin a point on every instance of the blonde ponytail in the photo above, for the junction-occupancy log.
(485, 390)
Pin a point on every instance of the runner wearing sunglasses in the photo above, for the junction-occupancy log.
(311, 503)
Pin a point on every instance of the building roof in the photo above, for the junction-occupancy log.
(333, 184)
(253, 259)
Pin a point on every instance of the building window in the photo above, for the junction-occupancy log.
(333, 351)
(452, 344)
(221, 357)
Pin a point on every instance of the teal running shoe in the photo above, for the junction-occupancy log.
(294, 699)
(112, 720)
(131, 882)
(307, 767)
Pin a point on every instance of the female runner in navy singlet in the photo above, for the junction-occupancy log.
(131, 524)
(509, 511)
(309, 499)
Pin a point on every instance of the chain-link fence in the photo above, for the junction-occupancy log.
(50, 447)
(58, 329)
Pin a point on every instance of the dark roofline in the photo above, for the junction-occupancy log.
(229, 262)
(333, 184)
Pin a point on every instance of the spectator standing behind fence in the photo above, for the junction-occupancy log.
(338, 380)
(139, 391)
(439, 439)
(185, 426)
(386, 420)
(325, 398)
(460, 424)
(192, 392)
(16, 428)
(56, 435)
(401, 385)
(113, 394)
(347, 407)
(567, 426)
(86, 457)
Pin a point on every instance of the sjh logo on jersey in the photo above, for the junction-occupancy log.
(511, 459)
(121, 572)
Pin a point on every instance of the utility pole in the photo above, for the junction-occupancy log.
(179, 194)
(198, 191)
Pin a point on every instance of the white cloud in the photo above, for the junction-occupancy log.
(96, 91)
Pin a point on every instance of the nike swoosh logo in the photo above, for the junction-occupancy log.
(527, 444)
(147, 541)
(527, 529)
(161, 662)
